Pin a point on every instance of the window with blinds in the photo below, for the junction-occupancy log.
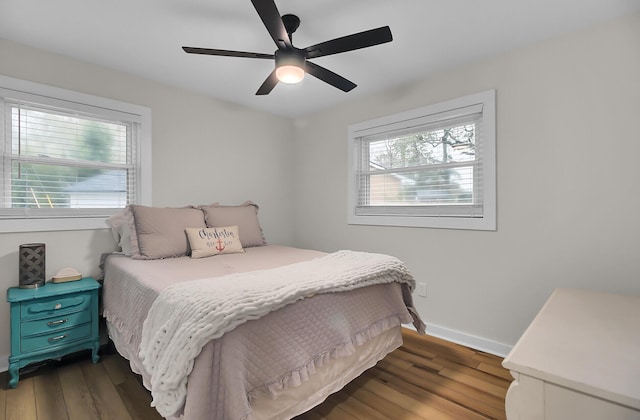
(431, 167)
(63, 159)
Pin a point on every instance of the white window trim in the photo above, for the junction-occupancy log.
(18, 88)
(404, 119)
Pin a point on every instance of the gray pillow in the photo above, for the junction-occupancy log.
(161, 231)
(245, 216)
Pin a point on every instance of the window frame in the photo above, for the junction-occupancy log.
(12, 89)
(438, 112)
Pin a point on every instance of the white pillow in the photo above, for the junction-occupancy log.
(120, 228)
(115, 223)
(121, 225)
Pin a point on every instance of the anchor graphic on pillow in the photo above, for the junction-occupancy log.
(220, 247)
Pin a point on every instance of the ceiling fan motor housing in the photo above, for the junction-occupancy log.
(293, 57)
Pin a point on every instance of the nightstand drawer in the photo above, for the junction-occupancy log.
(54, 305)
(43, 326)
(55, 338)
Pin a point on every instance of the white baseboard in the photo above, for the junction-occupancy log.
(468, 340)
(4, 363)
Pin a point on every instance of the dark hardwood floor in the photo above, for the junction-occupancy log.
(427, 378)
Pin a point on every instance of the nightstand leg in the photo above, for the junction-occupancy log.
(13, 374)
(94, 352)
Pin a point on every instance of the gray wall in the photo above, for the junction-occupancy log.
(568, 187)
(204, 150)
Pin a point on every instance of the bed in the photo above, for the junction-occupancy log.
(261, 361)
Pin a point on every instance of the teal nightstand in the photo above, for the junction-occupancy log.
(51, 321)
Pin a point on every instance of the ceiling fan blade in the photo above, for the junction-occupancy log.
(350, 42)
(270, 16)
(226, 53)
(329, 77)
(268, 85)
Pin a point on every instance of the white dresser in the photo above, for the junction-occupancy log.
(579, 359)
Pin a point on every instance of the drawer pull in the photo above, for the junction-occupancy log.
(58, 306)
(58, 338)
(58, 322)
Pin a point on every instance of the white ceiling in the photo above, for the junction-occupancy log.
(144, 37)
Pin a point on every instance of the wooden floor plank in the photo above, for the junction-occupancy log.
(117, 368)
(472, 381)
(386, 407)
(77, 396)
(105, 396)
(438, 345)
(448, 407)
(416, 348)
(399, 362)
(334, 412)
(408, 402)
(461, 394)
(354, 407)
(20, 404)
(416, 360)
(497, 371)
(137, 400)
(48, 394)
(491, 359)
(4, 378)
(480, 375)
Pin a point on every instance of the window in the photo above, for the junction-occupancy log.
(69, 160)
(428, 167)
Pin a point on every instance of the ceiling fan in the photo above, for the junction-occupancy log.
(291, 62)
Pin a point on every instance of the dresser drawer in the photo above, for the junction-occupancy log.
(55, 338)
(59, 322)
(55, 305)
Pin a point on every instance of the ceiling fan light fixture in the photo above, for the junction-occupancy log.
(290, 74)
(289, 66)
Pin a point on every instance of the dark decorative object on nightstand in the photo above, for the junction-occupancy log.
(31, 265)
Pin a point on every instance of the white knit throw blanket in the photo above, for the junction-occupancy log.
(186, 316)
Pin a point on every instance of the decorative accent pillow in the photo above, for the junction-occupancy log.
(161, 231)
(245, 216)
(206, 242)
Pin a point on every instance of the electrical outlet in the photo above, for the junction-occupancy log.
(422, 289)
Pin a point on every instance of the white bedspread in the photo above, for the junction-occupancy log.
(187, 316)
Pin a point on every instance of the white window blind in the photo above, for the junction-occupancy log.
(431, 169)
(61, 160)
(65, 159)
(412, 168)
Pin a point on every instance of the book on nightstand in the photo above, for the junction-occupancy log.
(66, 274)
